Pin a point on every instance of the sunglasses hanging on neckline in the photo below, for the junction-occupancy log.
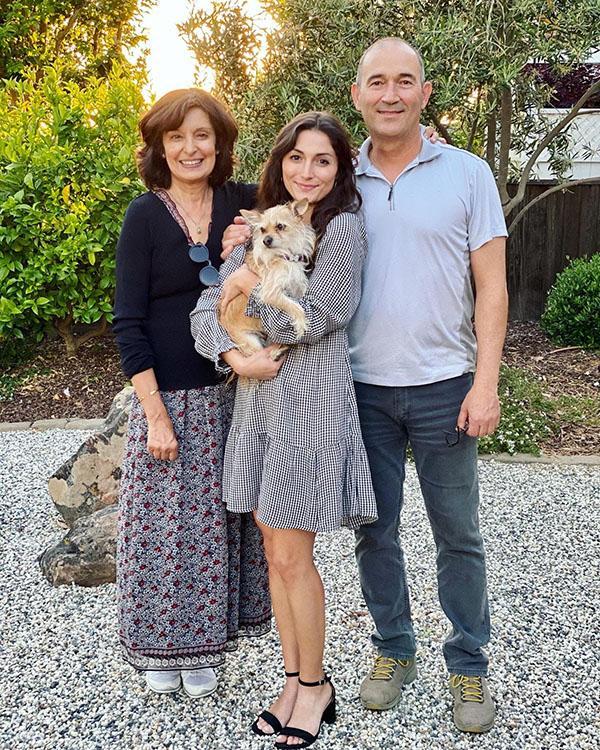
(199, 253)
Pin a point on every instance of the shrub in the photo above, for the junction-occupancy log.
(572, 314)
(67, 174)
(527, 417)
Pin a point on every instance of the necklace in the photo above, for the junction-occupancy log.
(201, 221)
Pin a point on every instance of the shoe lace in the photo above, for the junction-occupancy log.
(385, 666)
(471, 688)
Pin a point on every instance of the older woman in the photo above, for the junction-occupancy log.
(294, 454)
(191, 576)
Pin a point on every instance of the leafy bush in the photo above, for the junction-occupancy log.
(527, 417)
(572, 314)
(66, 175)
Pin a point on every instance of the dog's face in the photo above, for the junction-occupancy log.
(280, 232)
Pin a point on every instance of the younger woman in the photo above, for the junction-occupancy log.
(294, 455)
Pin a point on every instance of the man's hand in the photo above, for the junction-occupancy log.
(235, 234)
(239, 282)
(480, 410)
(162, 442)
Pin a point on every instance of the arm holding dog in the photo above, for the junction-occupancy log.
(334, 288)
(212, 340)
(258, 366)
(241, 281)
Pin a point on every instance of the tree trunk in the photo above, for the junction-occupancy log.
(490, 141)
(505, 133)
(64, 326)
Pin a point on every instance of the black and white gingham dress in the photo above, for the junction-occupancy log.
(295, 453)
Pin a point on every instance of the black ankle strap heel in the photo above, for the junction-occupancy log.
(324, 681)
(328, 717)
(270, 718)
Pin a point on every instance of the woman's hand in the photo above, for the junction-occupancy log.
(162, 442)
(241, 281)
(259, 366)
(432, 135)
(235, 234)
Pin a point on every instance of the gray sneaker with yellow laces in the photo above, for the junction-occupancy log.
(381, 689)
(474, 709)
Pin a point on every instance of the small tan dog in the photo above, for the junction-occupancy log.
(282, 249)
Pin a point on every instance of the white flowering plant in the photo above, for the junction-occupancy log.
(527, 416)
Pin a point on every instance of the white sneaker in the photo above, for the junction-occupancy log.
(198, 683)
(163, 682)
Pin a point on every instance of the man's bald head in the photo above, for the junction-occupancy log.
(389, 41)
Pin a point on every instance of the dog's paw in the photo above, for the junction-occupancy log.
(278, 353)
(300, 327)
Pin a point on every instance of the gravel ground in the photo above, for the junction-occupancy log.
(64, 686)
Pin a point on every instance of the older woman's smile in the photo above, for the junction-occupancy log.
(190, 150)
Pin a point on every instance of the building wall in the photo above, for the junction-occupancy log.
(584, 139)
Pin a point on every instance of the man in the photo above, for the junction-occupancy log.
(434, 222)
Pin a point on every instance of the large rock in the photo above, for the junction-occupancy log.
(89, 480)
(86, 556)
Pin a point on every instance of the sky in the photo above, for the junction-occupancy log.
(171, 65)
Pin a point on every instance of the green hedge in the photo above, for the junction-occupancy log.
(572, 313)
(67, 174)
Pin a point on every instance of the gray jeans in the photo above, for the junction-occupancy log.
(424, 416)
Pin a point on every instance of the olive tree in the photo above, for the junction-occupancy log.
(478, 53)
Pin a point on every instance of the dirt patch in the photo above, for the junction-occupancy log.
(570, 377)
(53, 386)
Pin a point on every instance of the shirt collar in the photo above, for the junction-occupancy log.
(364, 165)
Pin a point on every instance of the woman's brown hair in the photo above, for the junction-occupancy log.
(168, 114)
(343, 197)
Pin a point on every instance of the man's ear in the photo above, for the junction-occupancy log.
(252, 217)
(427, 89)
(354, 91)
(299, 208)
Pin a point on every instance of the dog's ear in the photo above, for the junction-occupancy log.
(300, 207)
(252, 217)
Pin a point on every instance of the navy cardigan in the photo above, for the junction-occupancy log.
(158, 287)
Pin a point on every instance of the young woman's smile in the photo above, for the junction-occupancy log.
(310, 168)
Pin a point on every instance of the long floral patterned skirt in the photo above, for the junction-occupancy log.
(191, 576)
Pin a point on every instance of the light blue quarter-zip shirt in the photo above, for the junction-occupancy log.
(414, 322)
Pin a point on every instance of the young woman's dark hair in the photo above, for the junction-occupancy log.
(168, 114)
(343, 197)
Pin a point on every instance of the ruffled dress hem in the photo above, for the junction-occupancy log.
(294, 487)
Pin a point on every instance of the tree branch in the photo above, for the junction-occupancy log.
(558, 128)
(475, 122)
(62, 34)
(441, 128)
(490, 141)
(563, 186)
(504, 156)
